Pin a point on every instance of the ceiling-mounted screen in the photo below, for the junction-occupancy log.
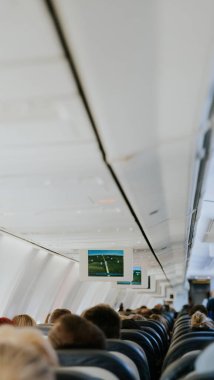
(139, 279)
(106, 264)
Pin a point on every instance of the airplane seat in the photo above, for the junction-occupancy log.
(192, 334)
(134, 352)
(181, 366)
(138, 337)
(128, 361)
(72, 375)
(96, 358)
(180, 331)
(157, 337)
(198, 376)
(185, 346)
(44, 328)
(181, 322)
(84, 373)
(158, 327)
(170, 319)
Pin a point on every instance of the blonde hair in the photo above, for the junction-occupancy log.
(23, 320)
(20, 363)
(200, 320)
(29, 337)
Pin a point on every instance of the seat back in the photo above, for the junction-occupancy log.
(157, 338)
(75, 374)
(96, 358)
(134, 352)
(193, 334)
(138, 337)
(157, 326)
(187, 345)
(180, 367)
(44, 328)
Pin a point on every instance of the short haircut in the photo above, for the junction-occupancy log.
(106, 318)
(72, 331)
(58, 313)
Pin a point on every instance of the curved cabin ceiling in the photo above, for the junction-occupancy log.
(145, 69)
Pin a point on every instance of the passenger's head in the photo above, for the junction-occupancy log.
(106, 318)
(23, 320)
(20, 363)
(72, 331)
(200, 308)
(5, 321)
(130, 324)
(29, 337)
(58, 313)
(200, 320)
(47, 318)
(33, 337)
(159, 318)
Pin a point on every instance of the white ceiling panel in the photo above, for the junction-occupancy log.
(36, 81)
(26, 32)
(44, 121)
(148, 74)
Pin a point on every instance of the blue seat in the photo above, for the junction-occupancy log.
(180, 367)
(73, 375)
(192, 334)
(134, 352)
(95, 358)
(187, 345)
(140, 338)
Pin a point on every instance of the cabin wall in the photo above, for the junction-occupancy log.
(35, 281)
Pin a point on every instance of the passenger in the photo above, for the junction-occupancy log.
(29, 337)
(47, 318)
(33, 337)
(129, 324)
(5, 321)
(185, 310)
(20, 363)
(72, 331)
(159, 318)
(145, 312)
(23, 320)
(200, 322)
(200, 308)
(121, 307)
(106, 318)
(210, 308)
(58, 313)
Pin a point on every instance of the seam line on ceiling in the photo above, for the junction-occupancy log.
(59, 29)
(39, 246)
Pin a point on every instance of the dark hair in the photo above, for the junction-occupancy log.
(72, 331)
(58, 313)
(106, 318)
(200, 308)
(130, 324)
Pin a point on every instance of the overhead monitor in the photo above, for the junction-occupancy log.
(139, 279)
(106, 265)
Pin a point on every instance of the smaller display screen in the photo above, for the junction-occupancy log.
(106, 263)
(137, 277)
